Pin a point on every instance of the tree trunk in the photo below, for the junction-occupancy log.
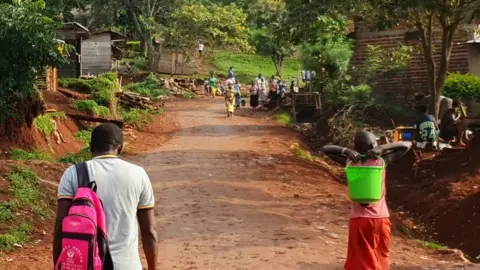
(426, 37)
(278, 62)
(150, 54)
(145, 37)
(445, 53)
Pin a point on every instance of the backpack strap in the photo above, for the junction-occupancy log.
(83, 177)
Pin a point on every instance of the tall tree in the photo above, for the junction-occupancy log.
(219, 25)
(28, 46)
(271, 32)
(428, 17)
(143, 15)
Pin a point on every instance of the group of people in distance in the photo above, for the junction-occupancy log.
(263, 93)
(452, 123)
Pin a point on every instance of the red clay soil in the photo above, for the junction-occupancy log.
(48, 175)
(231, 195)
(444, 198)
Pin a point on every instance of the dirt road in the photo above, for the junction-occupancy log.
(231, 196)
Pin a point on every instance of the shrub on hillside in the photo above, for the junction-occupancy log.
(84, 136)
(43, 124)
(101, 88)
(79, 157)
(462, 86)
(33, 154)
(139, 118)
(151, 87)
(91, 107)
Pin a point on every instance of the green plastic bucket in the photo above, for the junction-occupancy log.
(365, 183)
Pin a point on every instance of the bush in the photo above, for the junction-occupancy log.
(74, 158)
(33, 154)
(139, 118)
(111, 76)
(134, 46)
(189, 95)
(91, 107)
(283, 118)
(84, 136)
(151, 87)
(24, 185)
(16, 236)
(43, 124)
(102, 88)
(462, 86)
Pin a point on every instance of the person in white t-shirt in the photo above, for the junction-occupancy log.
(127, 196)
(200, 49)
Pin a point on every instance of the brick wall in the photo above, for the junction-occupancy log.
(414, 79)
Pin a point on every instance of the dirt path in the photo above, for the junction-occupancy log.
(231, 196)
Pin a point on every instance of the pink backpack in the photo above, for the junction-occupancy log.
(84, 234)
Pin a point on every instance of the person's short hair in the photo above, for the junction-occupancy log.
(422, 109)
(365, 141)
(106, 137)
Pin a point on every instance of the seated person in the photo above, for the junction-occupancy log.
(451, 127)
(427, 129)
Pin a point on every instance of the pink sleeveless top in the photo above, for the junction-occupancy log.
(379, 209)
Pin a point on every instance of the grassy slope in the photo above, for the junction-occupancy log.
(248, 66)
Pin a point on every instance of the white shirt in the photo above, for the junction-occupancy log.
(124, 188)
(200, 47)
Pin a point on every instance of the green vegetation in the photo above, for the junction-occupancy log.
(44, 124)
(137, 62)
(24, 185)
(15, 236)
(431, 245)
(189, 95)
(84, 136)
(300, 153)
(80, 157)
(102, 88)
(151, 87)
(21, 63)
(91, 107)
(248, 66)
(462, 86)
(134, 46)
(6, 211)
(32, 154)
(284, 118)
(139, 118)
(26, 196)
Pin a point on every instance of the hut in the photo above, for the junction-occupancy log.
(72, 33)
(101, 52)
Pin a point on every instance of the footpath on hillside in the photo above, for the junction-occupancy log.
(231, 195)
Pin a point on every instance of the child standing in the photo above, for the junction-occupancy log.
(369, 230)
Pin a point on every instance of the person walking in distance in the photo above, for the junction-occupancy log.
(127, 195)
(201, 47)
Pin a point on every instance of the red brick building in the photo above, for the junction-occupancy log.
(414, 79)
